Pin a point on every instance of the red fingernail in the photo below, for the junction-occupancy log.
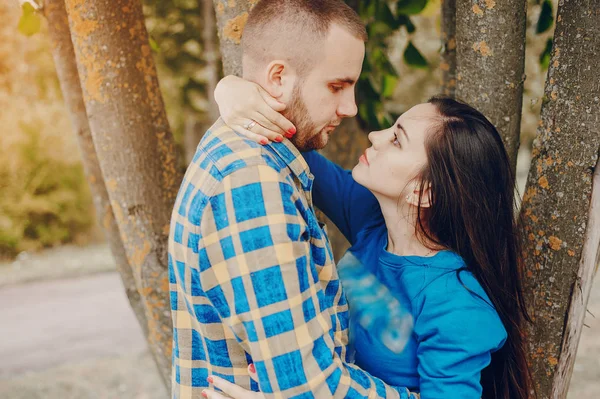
(210, 379)
(292, 131)
(264, 141)
(279, 139)
(204, 394)
(289, 135)
(251, 367)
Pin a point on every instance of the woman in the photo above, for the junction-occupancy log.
(429, 212)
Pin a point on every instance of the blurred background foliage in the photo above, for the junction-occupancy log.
(45, 199)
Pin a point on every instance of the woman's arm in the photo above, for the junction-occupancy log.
(348, 204)
(457, 334)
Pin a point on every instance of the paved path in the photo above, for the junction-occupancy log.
(49, 323)
(83, 329)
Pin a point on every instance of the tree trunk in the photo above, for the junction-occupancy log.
(211, 56)
(194, 126)
(448, 64)
(192, 133)
(231, 19)
(490, 63)
(66, 69)
(134, 146)
(345, 146)
(561, 226)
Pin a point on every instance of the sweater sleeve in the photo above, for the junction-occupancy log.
(456, 338)
(348, 204)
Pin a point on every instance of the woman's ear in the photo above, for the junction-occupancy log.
(424, 194)
(279, 80)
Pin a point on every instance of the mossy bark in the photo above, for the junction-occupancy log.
(66, 69)
(490, 63)
(561, 243)
(134, 145)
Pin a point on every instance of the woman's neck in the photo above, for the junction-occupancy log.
(400, 220)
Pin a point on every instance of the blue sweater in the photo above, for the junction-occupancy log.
(454, 326)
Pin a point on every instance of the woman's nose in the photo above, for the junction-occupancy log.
(375, 137)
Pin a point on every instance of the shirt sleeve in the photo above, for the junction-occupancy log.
(455, 343)
(348, 204)
(266, 289)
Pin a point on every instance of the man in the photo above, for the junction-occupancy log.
(252, 273)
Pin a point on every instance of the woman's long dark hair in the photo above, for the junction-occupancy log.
(472, 213)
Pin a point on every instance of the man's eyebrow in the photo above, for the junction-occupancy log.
(349, 81)
(399, 126)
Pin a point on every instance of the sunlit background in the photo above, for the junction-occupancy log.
(66, 329)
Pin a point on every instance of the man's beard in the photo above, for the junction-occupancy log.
(308, 136)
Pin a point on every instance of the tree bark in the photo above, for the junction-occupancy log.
(211, 56)
(560, 224)
(194, 126)
(231, 19)
(66, 69)
(590, 259)
(134, 146)
(490, 63)
(448, 64)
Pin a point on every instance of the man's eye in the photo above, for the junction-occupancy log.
(335, 89)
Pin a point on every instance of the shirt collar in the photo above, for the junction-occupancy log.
(295, 161)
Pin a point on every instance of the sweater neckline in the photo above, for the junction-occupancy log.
(444, 259)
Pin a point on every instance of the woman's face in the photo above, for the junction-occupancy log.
(397, 154)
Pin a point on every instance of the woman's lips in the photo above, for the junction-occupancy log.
(363, 158)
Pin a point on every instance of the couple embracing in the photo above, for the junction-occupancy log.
(427, 301)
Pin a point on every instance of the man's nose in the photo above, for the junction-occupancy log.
(347, 107)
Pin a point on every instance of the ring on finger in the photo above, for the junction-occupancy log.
(250, 125)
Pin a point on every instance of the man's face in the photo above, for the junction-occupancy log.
(325, 94)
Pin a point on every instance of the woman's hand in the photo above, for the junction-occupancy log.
(242, 102)
(234, 391)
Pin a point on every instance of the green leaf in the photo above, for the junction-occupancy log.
(379, 30)
(367, 11)
(30, 22)
(388, 85)
(154, 45)
(545, 56)
(404, 20)
(384, 14)
(410, 7)
(546, 17)
(413, 57)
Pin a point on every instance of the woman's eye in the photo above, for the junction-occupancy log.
(396, 142)
(335, 89)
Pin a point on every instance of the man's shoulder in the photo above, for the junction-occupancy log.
(226, 161)
(222, 151)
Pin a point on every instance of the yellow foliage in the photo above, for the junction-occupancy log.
(44, 196)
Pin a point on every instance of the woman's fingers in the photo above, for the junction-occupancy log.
(275, 118)
(271, 101)
(249, 135)
(252, 372)
(265, 132)
(267, 124)
(210, 394)
(235, 391)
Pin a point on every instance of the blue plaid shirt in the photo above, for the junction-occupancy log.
(252, 278)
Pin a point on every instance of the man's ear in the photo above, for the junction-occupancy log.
(413, 197)
(279, 80)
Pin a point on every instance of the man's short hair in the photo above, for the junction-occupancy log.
(292, 30)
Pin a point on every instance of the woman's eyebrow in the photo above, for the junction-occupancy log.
(399, 126)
